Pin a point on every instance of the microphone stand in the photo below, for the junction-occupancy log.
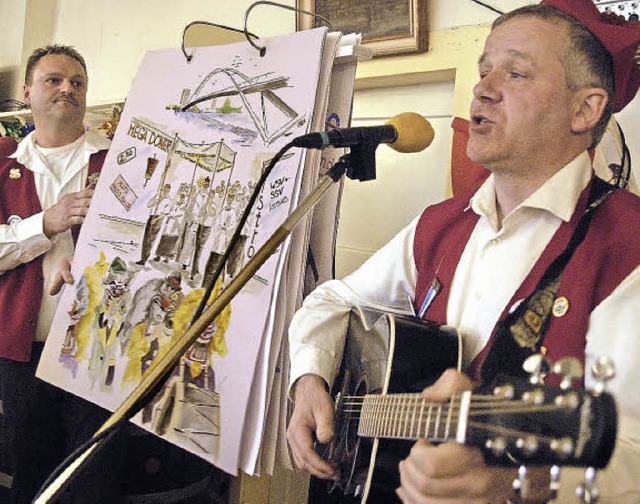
(163, 366)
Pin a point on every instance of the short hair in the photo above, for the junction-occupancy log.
(586, 61)
(41, 52)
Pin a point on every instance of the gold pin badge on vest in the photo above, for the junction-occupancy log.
(560, 307)
(15, 173)
(93, 180)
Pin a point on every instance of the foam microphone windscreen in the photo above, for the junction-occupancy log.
(415, 133)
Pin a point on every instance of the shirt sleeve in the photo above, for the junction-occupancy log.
(386, 281)
(614, 332)
(22, 241)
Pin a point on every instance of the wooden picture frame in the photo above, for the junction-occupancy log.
(388, 27)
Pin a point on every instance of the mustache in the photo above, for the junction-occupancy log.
(66, 98)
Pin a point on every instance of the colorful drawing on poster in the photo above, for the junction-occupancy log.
(255, 97)
(171, 193)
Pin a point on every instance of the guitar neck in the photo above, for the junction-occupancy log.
(411, 417)
(538, 424)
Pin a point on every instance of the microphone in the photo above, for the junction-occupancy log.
(406, 132)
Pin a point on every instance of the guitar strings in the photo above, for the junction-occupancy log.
(478, 405)
(416, 396)
(524, 408)
(399, 416)
(484, 409)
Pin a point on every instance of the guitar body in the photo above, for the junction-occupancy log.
(384, 354)
(387, 362)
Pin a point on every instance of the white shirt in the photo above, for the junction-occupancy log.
(57, 172)
(493, 265)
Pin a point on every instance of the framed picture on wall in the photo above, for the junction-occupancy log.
(388, 27)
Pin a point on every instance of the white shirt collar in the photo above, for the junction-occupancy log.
(26, 151)
(558, 195)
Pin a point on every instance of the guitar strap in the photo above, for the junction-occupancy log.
(521, 333)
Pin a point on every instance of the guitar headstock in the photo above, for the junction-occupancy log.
(529, 423)
(515, 421)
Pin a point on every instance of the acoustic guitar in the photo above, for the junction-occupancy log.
(380, 412)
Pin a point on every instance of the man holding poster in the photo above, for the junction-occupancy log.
(46, 190)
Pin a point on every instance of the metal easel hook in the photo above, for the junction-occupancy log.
(189, 57)
(263, 50)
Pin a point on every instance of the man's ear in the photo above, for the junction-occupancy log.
(590, 105)
(27, 97)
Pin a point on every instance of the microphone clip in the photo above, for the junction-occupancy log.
(363, 161)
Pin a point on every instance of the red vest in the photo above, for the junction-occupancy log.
(21, 288)
(609, 253)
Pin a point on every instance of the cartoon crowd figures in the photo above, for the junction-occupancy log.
(228, 215)
(122, 321)
(161, 206)
(148, 329)
(116, 337)
(206, 215)
(196, 206)
(241, 197)
(72, 339)
(165, 292)
(218, 242)
(167, 246)
(196, 217)
(189, 404)
(109, 316)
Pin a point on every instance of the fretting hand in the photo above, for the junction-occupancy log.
(455, 473)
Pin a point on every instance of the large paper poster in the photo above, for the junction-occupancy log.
(193, 139)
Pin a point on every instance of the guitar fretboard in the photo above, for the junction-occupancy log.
(410, 416)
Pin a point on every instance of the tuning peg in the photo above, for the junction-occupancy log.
(603, 370)
(498, 446)
(554, 484)
(569, 368)
(538, 366)
(528, 445)
(562, 447)
(587, 491)
(521, 485)
(504, 391)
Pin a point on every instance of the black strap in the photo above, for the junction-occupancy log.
(521, 333)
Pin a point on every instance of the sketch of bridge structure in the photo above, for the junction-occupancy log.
(243, 86)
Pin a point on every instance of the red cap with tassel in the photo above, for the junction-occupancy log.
(620, 37)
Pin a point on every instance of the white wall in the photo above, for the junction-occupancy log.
(448, 14)
(113, 35)
(11, 26)
(11, 23)
(373, 212)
